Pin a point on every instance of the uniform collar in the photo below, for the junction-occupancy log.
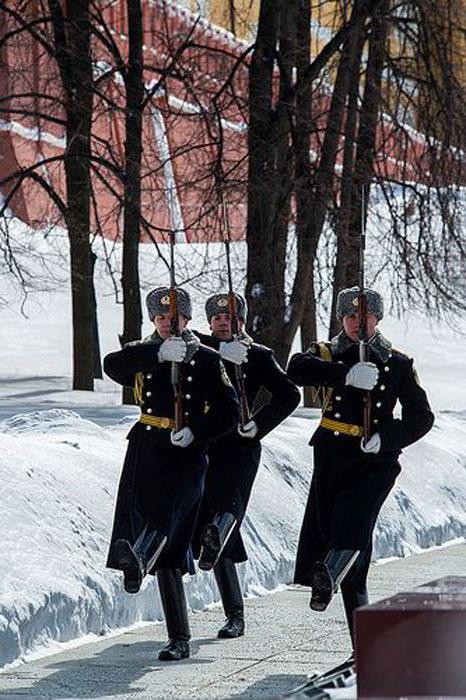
(378, 344)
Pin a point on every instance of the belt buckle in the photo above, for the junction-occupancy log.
(165, 422)
(354, 430)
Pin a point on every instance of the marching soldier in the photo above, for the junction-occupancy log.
(352, 478)
(164, 469)
(234, 459)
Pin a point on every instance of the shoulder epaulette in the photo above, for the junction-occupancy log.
(322, 350)
(403, 354)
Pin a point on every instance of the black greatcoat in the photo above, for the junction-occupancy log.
(161, 483)
(234, 460)
(348, 487)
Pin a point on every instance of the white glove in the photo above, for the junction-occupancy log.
(249, 430)
(173, 349)
(182, 438)
(363, 375)
(373, 444)
(234, 351)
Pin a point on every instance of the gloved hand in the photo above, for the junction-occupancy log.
(373, 444)
(182, 438)
(249, 430)
(234, 351)
(362, 375)
(173, 349)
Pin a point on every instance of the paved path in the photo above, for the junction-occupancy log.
(284, 642)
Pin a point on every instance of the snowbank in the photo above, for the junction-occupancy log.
(58, 476)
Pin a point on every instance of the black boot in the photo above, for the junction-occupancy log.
(176, 615)
(214, 538)
(232, 599)
(352, 599)
(327, 576)
(137, 559)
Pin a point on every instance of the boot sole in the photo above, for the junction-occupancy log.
(169, 656)
(322, 588)
(228, 635)
(210, 548)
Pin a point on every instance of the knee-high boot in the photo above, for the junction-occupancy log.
(328, 575)
(232, 598)
(176, 615)
(214, 538)
(353, 597)
(138, 559)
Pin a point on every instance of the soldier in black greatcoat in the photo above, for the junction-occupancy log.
(351, 480)
(234, 459)
(164, 469)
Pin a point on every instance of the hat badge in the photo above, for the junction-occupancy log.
(165, 300)
(355, 301)
(223, 301)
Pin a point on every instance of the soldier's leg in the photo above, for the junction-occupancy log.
(176, 615)
(137, 559)
(233, 476)
(329, 575)
(232, 598)
(214, 538)
(354, 588)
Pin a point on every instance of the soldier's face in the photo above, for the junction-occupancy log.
(220, 325)
(351, 325)
(162, 324)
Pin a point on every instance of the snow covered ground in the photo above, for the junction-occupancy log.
(61, 453)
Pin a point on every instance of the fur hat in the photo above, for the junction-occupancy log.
(158, 302)
(219, 304)
(347, 302)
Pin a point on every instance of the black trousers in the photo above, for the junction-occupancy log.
(227, 489)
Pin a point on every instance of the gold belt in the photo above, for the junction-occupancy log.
(157, 421)
(345, 428)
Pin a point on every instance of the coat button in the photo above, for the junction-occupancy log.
(378, 404)
(186, 413)
(149, 376)
(387, 369)
(190, 379)
(149, 410)
(336, 432)
(188, 396)
(148, 393)
(192, 363)
(375, 421)
(382, 387)
(148, 427)
(337, 415)
(337, 398)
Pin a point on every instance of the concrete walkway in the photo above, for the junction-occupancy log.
(283, 643)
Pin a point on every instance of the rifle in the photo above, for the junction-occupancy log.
(245, 414)
(362, 316)
(175, 330)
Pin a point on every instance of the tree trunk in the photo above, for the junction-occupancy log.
(95, 326)
(261, 171)
(132, 314)
(322, 193)
(72, 44)
(356, 210)
(346, 190)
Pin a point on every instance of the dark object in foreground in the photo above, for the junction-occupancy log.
(413, 643)
(340, 676)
